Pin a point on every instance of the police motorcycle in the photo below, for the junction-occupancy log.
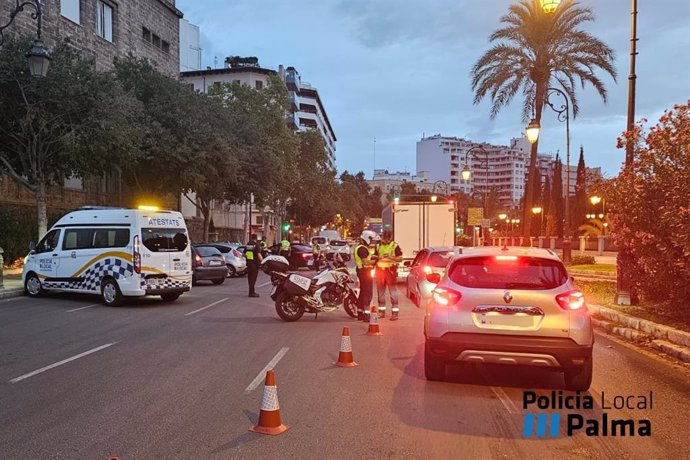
(295, 295)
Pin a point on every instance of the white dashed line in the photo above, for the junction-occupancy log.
(505, 399)
(265, 284)
(207, 306)
(262, 374)
(83, 308)
(60, 363)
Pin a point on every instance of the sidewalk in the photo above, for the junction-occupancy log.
(12, 286)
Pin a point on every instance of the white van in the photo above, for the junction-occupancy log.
(113, 252)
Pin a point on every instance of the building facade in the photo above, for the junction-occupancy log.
(190, 46)
(387, 182)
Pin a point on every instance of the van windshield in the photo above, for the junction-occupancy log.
(164, 239)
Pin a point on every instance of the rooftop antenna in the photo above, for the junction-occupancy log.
(215, 62)
(374, 153)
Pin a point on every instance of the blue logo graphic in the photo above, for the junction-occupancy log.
(554, 425)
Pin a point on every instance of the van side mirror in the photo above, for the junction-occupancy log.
(32, 247)
(433, 278)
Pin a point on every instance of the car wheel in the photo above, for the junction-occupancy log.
(170, 297)
(194, 281)
(110, 291)
(32, 286)
(218, 281)
(579, 378)
(434, 369)
(231, 271)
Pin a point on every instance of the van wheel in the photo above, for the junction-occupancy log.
(171, 297)
(434, 369)
(218, 281)
(579, 378)
(32, 286)
(110, 291)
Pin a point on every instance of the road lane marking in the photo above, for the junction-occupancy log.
(207, 306)
(262, 374)
(60, 363)
(83, 308)
(505, 399)
(265, 284)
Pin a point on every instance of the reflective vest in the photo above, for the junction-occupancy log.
(387, 250)
(263, 245)
(316, 249)
(285, 245)
(363, 263)
(249, 252)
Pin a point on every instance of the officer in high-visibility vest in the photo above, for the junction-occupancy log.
(264, 248)
(254, 258)
(316, 253)
(389, 256)
(365, 260)
(285, 249)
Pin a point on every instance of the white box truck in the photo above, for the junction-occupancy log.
(419, 225)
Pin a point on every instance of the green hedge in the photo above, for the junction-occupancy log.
(583, 260)
(18, 227)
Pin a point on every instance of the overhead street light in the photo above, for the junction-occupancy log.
(549, 6)
(38, 56)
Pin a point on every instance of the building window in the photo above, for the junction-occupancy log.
(258, 84)
(70, 10)
(216, 84)
(156, 40)
(146, 34)
(165, 46)
(104, 20)
(236, 82)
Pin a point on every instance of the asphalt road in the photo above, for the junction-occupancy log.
(151, 380)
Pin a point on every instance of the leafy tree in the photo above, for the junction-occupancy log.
(650, 209)
(533, 51)
(579, 209)
(72, 122)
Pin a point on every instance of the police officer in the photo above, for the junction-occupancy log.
(365, 260)
(264, 248)
(254, 258)
(316, 253)
(285, 249)
(389, 256)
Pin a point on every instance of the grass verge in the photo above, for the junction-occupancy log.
(609, 268)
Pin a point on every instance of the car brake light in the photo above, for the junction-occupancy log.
(136, 255)
(427, 270)
(236, 253)
(197, 261)
(373, 273)
(446, 297)
(305, 255)
(571, 300)
(506, 258)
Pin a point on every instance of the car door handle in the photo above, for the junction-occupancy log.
(55, 255)
(176, 260)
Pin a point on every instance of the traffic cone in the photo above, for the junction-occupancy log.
(374, 323)
(269, 417)
(345, 355)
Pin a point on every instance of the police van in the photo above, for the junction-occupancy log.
(113, 252)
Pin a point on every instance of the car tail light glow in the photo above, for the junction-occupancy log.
(446, 297)
(306, 255)
(571, 300)
(373, 273)
(136, 255)
(427, 270)
(197, 261)
(236, 253)
(506, 258)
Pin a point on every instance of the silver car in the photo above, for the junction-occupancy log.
(428, 260)
(234, 260)
(508, 306)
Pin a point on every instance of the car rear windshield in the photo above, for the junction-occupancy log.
(164, 239)
(439, 259)
(220, 247)
(491, 272)
(338, 243)
(207, 251)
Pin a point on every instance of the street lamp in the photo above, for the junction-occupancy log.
(549, 6)
(440, 184)
(563, 115)
(538, 210)
(38, 56)
(532, 131)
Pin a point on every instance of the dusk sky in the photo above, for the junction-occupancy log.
(395, 70)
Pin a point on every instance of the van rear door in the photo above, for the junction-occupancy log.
(165, 254)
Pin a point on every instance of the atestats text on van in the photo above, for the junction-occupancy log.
(114, 253)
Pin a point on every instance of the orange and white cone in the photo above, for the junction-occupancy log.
(374, 323)
(345, 356)
(269, 417)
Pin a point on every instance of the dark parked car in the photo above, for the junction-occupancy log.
(234, 259)
(208, 264)
(300, 255)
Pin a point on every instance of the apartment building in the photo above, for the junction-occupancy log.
(388, 182)
(190, 46)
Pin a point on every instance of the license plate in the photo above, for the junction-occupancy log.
(215, 263)
(154, 281)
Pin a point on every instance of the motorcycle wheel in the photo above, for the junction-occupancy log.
(288, 309)
(350, 306)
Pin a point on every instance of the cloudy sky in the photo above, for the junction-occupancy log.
(395, 70)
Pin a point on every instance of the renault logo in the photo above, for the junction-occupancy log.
(507, 297)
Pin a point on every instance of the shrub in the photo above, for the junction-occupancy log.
(583, 260)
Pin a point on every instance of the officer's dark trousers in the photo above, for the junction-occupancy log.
(366, 289)
(252, 274)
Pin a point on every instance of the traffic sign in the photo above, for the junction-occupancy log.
(474, 216)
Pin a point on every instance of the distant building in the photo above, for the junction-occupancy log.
(387, 181)
(190, 46)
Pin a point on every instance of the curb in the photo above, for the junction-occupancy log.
(654, 330)
(9, 293)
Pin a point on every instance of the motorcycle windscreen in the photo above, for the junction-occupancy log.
(297, 285)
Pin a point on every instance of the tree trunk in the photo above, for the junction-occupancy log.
(533, 180)
(41, 209)
(205, 207)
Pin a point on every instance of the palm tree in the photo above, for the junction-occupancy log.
(533, 51)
